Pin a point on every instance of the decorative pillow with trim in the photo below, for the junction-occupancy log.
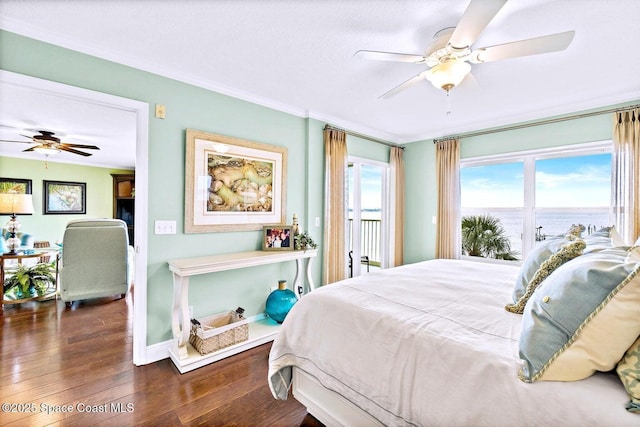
(598, 240)
(540, 253)
(582, 318)
(629, 372)
(567, 252)
(601, 239)
(633, 254)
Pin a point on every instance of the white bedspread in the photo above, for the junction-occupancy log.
(430, 344)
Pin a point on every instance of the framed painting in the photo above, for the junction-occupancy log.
(15, 185)
(233, 184)
(61, 197)
(277, 238)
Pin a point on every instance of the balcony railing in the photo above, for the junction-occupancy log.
(370, 236)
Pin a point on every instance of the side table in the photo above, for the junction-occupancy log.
(19, 257)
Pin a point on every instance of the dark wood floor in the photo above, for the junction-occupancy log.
(81, 358)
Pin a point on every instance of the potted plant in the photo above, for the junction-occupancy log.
(30, 281)
(302, 241)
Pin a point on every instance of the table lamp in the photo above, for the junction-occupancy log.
(16, 204)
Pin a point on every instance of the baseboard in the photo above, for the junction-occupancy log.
(156, 352)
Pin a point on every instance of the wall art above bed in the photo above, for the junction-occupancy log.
(233, 184)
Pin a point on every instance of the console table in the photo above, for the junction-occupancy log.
(261, 328)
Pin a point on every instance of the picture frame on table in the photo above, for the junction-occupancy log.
(233, 184)
(64, 197)
(277, 238)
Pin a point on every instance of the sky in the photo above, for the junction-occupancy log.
(370, 186)
(582, 181)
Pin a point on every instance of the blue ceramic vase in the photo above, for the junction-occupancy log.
(280, 301)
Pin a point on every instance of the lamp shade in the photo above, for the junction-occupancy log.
(46, 150)
(448, 74)
(14, 203)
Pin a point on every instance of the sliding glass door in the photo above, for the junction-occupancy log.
(368, 215)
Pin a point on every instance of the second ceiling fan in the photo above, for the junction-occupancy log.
(450, 56)
(47, 143)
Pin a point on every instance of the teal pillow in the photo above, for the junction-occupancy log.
(567, 252)
(540, 253)
(595, 241)
(582, 318)
(599, 240)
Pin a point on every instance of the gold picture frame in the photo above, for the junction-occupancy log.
(277, 238)
(232, 184)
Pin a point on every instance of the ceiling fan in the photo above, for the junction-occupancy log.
(47, 143)
(450, 54)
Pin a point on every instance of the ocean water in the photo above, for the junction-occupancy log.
(551, 223)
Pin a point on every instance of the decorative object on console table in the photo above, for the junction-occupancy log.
(219, 331)
(233, 184)
(302, 240)
(277, 238)
(61, 197)
(280, 301)
(16, 204)
(124, 201)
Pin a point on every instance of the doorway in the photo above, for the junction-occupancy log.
(137, 121)
(368, 215)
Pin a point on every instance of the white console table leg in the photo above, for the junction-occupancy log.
(297, 281)
(180, 322)
(312, 287)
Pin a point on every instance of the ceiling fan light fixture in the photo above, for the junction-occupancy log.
(47, 151)
(448, 74)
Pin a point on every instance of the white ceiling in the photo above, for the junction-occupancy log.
(297, 56)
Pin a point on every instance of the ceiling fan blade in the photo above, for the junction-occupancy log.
(533, 46)
(475, 19)
(389, 56)
(71, 150)
(88, 147)
(19, 142)
(404, 85)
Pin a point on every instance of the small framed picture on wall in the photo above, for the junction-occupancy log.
(61, 197)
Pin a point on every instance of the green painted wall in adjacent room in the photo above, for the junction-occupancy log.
(99, 203)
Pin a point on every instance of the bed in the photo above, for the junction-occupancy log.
(431, 344)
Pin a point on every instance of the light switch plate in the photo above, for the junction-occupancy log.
(161, 111)
(165, 227)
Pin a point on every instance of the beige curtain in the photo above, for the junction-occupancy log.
(335, 151)
(626, 173)
(397, 211)
(448, 233)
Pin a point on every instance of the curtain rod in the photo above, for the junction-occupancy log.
(359, 135)
(538, 123)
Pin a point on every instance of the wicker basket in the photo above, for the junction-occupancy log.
(218, 331)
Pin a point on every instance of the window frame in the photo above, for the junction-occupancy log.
(529, 158)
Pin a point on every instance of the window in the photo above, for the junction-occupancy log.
(534, 195)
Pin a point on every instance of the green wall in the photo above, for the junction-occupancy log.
(99, 188)
(191, 107)
(421, 186)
